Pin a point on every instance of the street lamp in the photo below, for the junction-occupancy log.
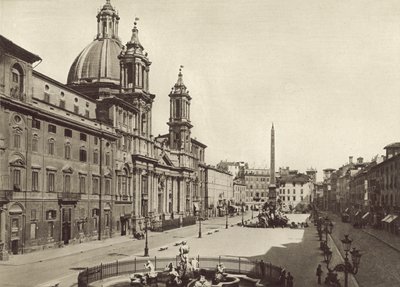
(345, 267)
(226, 214)
(146, 246)
(199, 218)
(242, 213)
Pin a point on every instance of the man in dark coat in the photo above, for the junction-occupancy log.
(319, 273)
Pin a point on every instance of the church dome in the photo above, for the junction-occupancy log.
(98, 62)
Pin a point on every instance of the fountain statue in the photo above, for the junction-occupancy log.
(220, 275)
(145, 279)
(202, 282)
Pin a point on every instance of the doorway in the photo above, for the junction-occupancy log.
(14, 246)
(123, 226)
(66, 225)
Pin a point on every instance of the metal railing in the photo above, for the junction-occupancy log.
(233, 265)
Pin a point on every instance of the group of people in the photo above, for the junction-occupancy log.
(286, 279)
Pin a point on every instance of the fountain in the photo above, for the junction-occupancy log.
(186, 273)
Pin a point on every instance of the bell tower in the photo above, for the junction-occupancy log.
(179, 118)
(134, 65)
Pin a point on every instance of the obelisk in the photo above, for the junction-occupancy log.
(272, 183)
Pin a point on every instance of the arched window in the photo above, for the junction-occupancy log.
(17, 81)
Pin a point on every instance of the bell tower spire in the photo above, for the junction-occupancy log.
(179, 118)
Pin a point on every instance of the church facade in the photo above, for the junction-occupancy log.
(78, 161)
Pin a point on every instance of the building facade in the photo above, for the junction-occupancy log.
(78, 161)
(257, 182)
(219, 191)
(295, 191)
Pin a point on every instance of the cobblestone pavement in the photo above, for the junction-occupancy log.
(380, 263)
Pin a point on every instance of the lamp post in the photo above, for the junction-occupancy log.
(199, 218)
(146, 246)
(242, 214)
(345, 267)
(226, 214)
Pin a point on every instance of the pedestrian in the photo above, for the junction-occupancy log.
(319, 273)
(289, 280)
(262, 268)
(282, 277)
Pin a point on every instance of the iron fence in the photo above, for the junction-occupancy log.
(234, 265)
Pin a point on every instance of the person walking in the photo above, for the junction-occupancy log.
(262, 268)
(282, 277)
(319, 273)
(289, 280)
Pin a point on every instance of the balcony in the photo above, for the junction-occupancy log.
(5, 196)
(68, 197)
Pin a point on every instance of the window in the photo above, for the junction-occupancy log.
(35, 144)
(67, 151)
(107, 159)
(82, 155)
(35, 180)
(108, 187)
(82, 184)
(52, 129)
(51, 181)
(33, 214)
(50, 229)
(67, 183)
(68, 133)
(87, 113)
(76, 109)
(301, 191)
(33, 230)
(95, 157)
(95, 185)
(62, 104)
(17, 179)
(294, 198)
(15, 76)
(36, 124)
(46, 97)
(51, 214)
(51, 144)
(17, 140)
(83, 137)
(96, 140)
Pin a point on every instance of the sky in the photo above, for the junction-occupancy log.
(326, 73)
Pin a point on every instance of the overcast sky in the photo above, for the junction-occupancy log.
(327, 73)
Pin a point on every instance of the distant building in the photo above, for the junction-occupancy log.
(295, 191)
(219, 191)
(235, 168)
(257, 182)
(239, 192)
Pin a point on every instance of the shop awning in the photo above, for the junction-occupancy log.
(358, 213)
(365, 215)
(386, 218)
(392, 218)
(346, 210)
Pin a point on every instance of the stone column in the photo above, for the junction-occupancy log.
(3, 252)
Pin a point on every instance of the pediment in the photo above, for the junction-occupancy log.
(165, 160)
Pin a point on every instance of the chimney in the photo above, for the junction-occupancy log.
(350, 159)
(360, 160)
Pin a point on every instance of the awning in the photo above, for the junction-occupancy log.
(357, 213)
(392, 218)
(365, 215)
(346, 210)
(386, 218)
(196, 205)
